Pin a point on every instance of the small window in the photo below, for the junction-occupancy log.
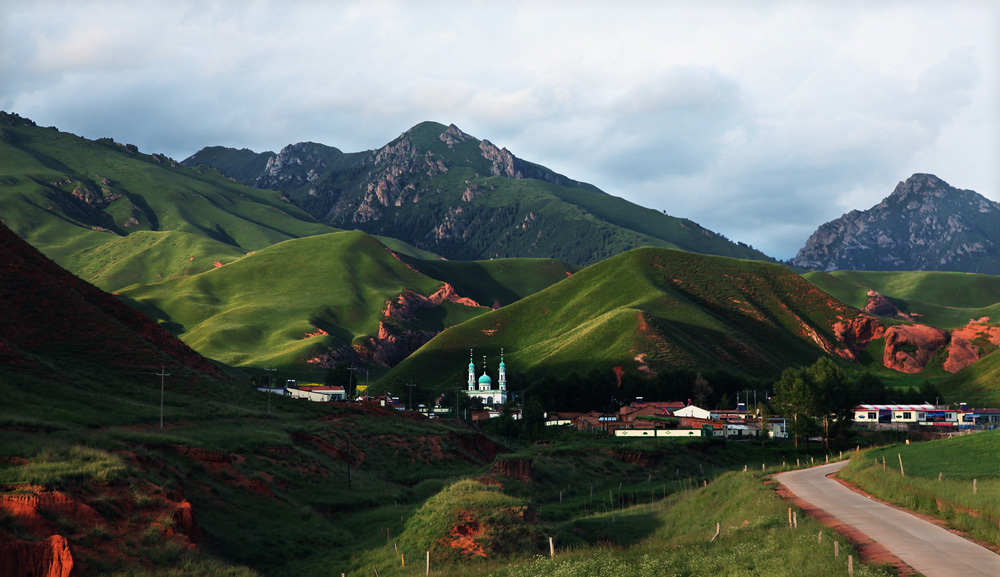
(907, 416)
(871, 416)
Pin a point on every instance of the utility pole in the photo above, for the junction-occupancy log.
(270, 385)
(410, 384)
(163, 374)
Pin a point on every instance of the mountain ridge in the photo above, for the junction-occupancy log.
(443, 190)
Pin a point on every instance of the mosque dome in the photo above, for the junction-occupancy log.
(485, 380)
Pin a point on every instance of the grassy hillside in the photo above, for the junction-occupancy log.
(958, 461)
(941, 299)
(272, 306)
(646, 310)
(80, 202)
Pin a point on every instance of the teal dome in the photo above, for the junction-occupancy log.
(472, 365)
(485, 380)
(501, 363)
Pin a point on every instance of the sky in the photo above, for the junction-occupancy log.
(759, 120)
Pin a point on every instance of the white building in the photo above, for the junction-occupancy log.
(483, 389)
(692, 411)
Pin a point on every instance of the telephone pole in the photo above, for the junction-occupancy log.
(270, 385)
(410, 384)
(163, 374)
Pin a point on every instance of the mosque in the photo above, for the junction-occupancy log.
(483, 387)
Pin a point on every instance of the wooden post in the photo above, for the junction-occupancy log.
(718, 529)
(828, 457)
(883, 462)
(974, 489)
(939, 476)
(402, 560)
(376, 571)
(836, 549)
(395, 548)
(819, 538)
(552, 549)
(795, 520)
(789, 517)
(850, 565)
(901, 464)
(797, 464)
(428, 563)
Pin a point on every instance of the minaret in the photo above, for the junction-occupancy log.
(484, 384)
(503, 373)
(472, 373)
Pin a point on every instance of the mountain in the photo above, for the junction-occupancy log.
(444, 191)
(115, 216)
(925, 224)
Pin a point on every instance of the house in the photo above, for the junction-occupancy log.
(317, 393)
(693, 411)
(978, 418)
(924, 414)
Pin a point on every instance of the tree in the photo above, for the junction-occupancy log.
(701, 390)
(796, 397)
(836, 398)
(870, 389)
(532, 419)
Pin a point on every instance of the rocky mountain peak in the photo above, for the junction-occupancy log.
(925, 224)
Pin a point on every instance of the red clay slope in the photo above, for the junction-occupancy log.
(49, 315)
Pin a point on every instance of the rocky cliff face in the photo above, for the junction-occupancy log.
(925, 224)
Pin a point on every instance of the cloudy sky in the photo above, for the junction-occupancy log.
(757, 119)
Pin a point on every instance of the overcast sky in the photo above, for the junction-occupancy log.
(758, 120)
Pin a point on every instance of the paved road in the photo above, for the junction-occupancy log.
(927, 548)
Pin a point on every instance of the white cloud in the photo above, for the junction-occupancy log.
(758, 120)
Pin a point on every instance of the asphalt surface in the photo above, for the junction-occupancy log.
(922, 545)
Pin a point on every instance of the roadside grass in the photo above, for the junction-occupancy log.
(967, 497)
(669, 537)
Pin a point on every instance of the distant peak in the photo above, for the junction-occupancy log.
(919, 183)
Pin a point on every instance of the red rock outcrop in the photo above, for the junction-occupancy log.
(185, 522)
(908, 348)
(405, 306)
(49, 558)
(856, 333)
(519, 469)
(880, 306)
(963, 352)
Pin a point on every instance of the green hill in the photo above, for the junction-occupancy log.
(275, 305)
(941, 299)
(447, 192)
(117, 217)
(646, 310)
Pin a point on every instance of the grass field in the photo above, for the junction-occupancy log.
(956, 480)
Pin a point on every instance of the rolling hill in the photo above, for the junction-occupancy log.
(444, 191)
(941, 299)
(648, 310)
(308, 304)
(115, 216)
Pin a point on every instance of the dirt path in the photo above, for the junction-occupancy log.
(924, 546)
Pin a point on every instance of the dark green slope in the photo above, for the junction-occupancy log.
(447, 192)
(116, 216)
(940, 299)
(647, 310)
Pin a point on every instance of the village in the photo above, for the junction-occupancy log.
(641, 418)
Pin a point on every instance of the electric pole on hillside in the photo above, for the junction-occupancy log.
(163, 374)
(410, 384)
(270, 385)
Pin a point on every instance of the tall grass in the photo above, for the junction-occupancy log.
(58, 465)
(952, 498)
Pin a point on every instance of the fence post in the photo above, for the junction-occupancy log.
(836, 549)
(850, 565)
(901, 464)
(718, 529)
(428, 563)
(974, 490)
(552, 549)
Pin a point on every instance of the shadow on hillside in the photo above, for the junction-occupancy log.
(622, 529)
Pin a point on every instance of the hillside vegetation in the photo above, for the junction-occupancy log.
(117, 217)
(646, 310)
(940, 299)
